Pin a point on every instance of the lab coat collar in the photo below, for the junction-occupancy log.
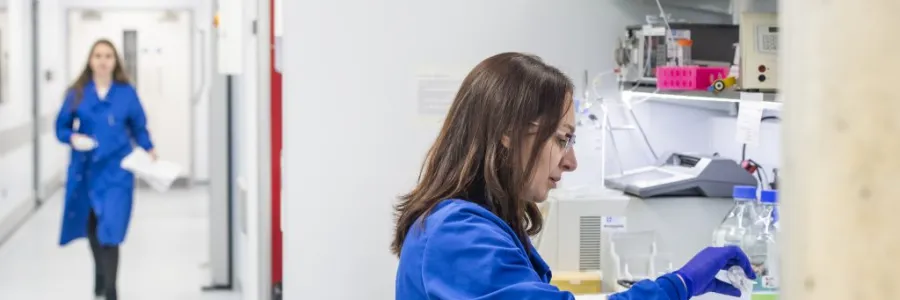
(90, 95)
(540, 266)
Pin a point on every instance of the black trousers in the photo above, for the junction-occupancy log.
(106, 263)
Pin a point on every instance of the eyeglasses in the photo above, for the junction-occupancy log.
(566, 142)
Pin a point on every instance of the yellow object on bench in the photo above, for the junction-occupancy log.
(577, 282)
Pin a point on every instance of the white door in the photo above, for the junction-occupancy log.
(4, 56)
(158, 47)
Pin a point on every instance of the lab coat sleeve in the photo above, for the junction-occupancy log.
(65, 119)
(138, 123)
(471, 257)
(667, 287)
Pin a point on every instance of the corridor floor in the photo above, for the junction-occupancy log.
(161, 259)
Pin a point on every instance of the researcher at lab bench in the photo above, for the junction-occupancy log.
(463, 231)
(99, 192)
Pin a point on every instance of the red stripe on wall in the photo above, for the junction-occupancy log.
(276, 152)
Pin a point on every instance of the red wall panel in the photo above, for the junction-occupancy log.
(276, 152)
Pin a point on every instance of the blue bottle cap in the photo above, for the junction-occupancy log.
(744, 192)
(579, 106)
(768, 196)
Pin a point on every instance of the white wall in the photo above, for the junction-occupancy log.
(353, 138)
(52, 66)
(244, 89)
(17, 193)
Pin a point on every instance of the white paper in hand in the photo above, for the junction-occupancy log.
(83, 143)
(158, 174)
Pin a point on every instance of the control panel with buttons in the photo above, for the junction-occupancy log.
(759, 52)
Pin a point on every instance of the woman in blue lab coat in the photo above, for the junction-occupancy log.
(101, 118)
(463, 231)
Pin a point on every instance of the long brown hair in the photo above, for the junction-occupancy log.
(505, 96)
(87, 74)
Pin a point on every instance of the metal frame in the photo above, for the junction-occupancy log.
(221, 180)
(196, 96)
(35, 104)
(264, 144)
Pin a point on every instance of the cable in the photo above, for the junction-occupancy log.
(662, 13)
(760, 172)
(774, 183)
(643, 134)
(744, 152)
(596, 121)
(751, 165)
(761, 182)
(744, 146)
(765, 176)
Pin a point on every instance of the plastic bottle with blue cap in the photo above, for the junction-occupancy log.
(735, 230)
(763, 249)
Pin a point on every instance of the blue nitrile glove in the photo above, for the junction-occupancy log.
(699, 274)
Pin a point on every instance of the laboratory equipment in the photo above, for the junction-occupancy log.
(629, 257)
(735, 230)
(763, 249)
(759, 52)
(646, 47)
(721, 84)
(688, 78)
(573, 224)
(680, 174)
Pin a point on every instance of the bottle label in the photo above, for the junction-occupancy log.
(765, 287)
(767, 283)
(767, 296)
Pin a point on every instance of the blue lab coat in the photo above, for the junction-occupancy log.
(95, 180)
(464, 251)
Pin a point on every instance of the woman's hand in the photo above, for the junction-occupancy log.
(699, 274)
(76, 136)
(82, 142)
(153, 155)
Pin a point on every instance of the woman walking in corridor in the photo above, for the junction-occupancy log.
(101, 118)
